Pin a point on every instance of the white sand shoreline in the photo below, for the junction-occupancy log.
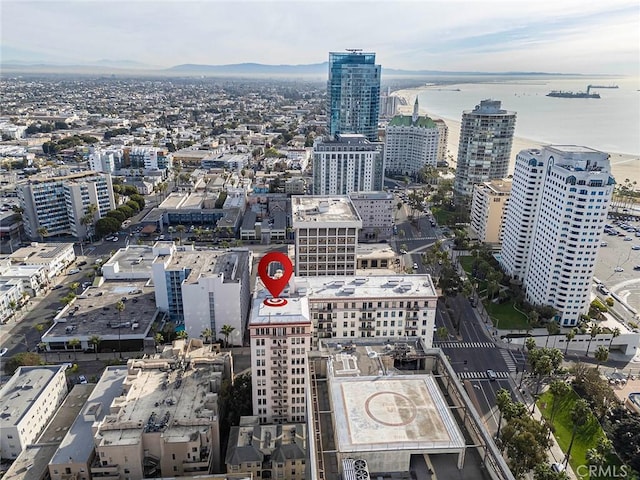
(623, 165)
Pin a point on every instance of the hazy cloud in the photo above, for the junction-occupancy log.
(561, 36)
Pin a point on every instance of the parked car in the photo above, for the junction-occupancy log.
(3, 352)
(82, 379)
(403, 251)
(415, 266)
(618, 269)
(82, 263)
(635, 247)
(73, 271)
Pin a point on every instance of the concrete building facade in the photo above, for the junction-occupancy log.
(376, 210)
(488, 207)
(554, 223)
(326, 235)
(58, 204)
(347, 163)
(27, 402)
(280, 335)
(486, 135)
(411, 143)
(53, 257)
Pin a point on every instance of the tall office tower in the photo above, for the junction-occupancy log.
(326, 232)
(353, 93)
(554, 222)
(347, 163)
(59, 204)
(411, 143)
(486, 135)
(281, 336)
(488, 208)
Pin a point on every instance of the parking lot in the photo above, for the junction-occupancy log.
(616, 262)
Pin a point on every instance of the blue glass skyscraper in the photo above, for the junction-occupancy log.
(353, 93)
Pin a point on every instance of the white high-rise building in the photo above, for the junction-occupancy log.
(486, 135)
(553, 226)
(411, 142)
(58, 204)
(347, 163)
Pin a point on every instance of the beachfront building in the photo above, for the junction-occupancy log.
(553, 225)
(376, 209)
(488, 207)
(326, 235)
(411, 143)
(28, 401)
(281, 335)
(443, 139)
(57, 205)
(353, 94)
(203, 289)
(486, 136)
(347, 163)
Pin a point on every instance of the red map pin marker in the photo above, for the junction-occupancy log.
(275, 285)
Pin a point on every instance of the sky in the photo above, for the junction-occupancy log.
(562, 36)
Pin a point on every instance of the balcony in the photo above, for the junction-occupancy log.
(367, 328)
(279, 346)
(411, 327)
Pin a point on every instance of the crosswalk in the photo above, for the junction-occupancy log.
(465, 345)
(508, 359)
(480, 375)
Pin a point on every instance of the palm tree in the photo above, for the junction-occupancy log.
(602, 355)
(207, 334)
(74, 287)
(580, 414)
(120, 309)
(74, 343)
(180, 229)
(159, 339)
(559, 389)
(182, 335)
(593, 331)
(95, 341)
(43, 232)
(571, 334)
(226, 331)
(614, 333)
(552, 329)
(503, 400)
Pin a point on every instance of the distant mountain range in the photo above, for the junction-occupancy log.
(122, 67)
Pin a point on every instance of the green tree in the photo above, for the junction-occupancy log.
(543, 471)
(74, 343)
(614, 333)
(442, 333)
(22, 359)
(580, 415)
(503, 402)
(593, 332)
(601, 355)
(95, 341)
(158, 338)
(181, 229)
(207, 334)
(571, 334)
(43, 232)
(598, 454)
(544, 361)
(226, 331)
(559, 390)
(525, 441)
(74, 287)
(182, 335)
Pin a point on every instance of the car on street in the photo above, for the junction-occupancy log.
(491, 375)
(618, 269)
(82, 379)
(3, 352)
(415, 266)
(73, 271)
(82, 263)
(115, 239)
(57, 287)
(403, 251)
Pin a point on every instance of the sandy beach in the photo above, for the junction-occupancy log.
(623, 166)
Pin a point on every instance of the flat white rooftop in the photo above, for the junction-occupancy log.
(393, 413)
(322, 208)
(296, 310)
(371, 286)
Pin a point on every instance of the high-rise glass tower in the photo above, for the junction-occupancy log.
(486, 135)
(353, 100)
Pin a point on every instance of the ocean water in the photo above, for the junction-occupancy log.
(610, 124)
